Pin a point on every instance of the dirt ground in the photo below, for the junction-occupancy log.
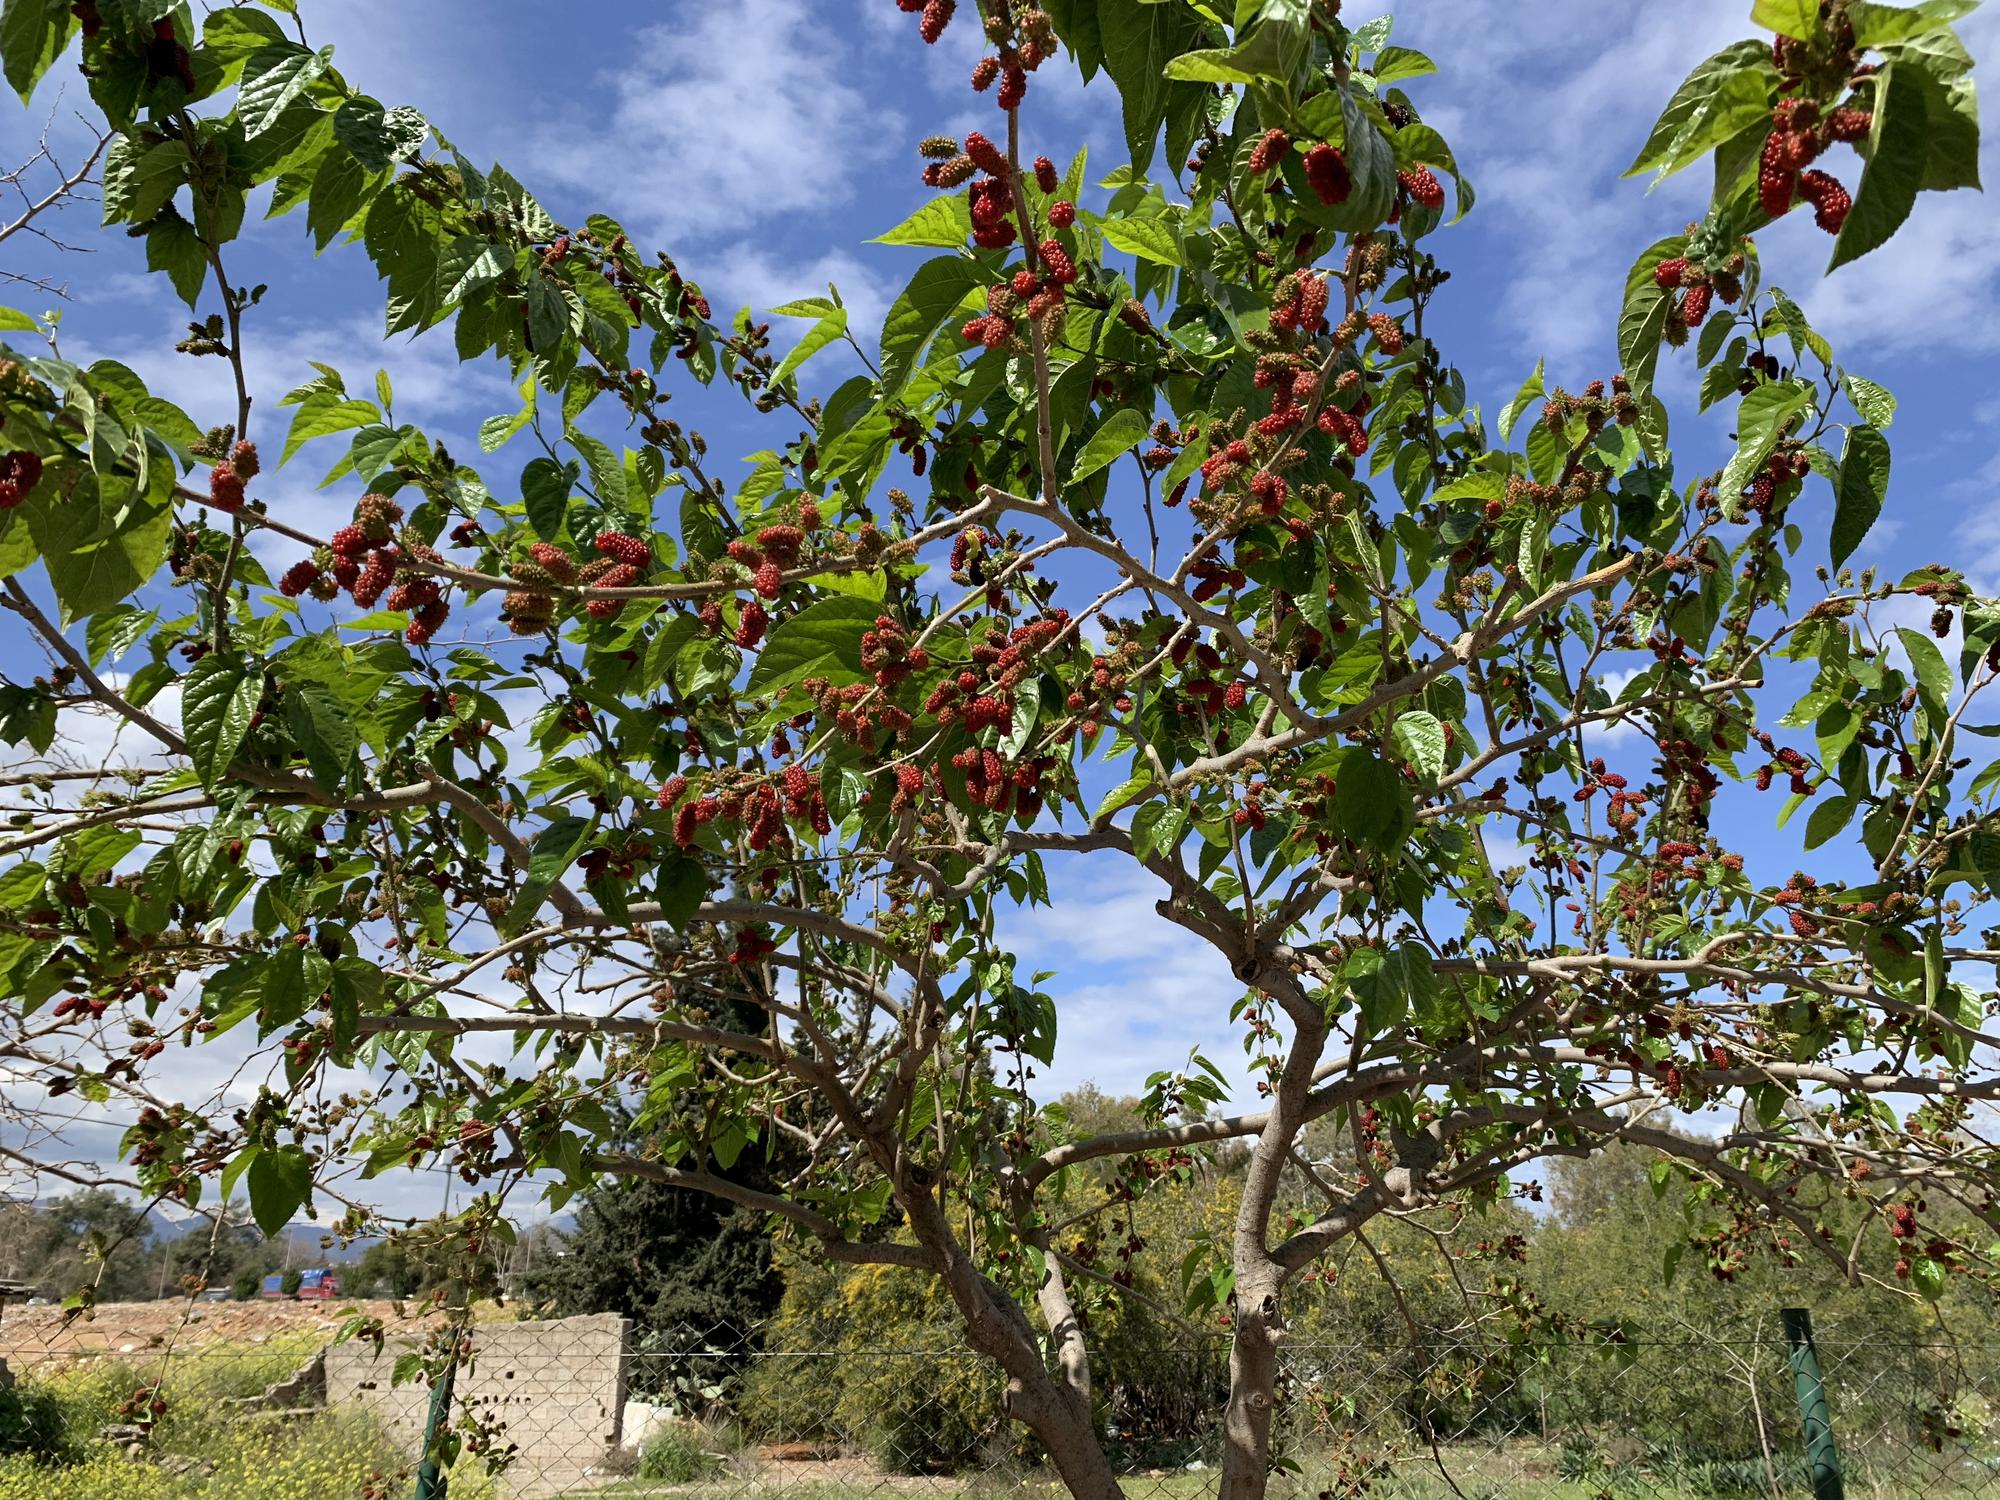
(35, 1335)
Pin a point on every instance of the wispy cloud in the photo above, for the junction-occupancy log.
(743, 116)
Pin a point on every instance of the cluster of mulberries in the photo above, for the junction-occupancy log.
(1778, 480)
(1299, 303)
(992, 783)
(887, 653)
(1798, 135)
(365, 558)
(1022, 44)
(225, 480)
(1699, 284)
(1421, 185)
(1269, 152)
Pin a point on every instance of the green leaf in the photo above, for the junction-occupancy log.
(1828, 818)
(1897, 149)
(1876, 405)
(325, 732)
(945, 222)
(1369, 797)
(553, 851)
(1643, 320)
(218, 698)
(1876, 24)
(1480, 484)
(1393, 64)
(1932, 671)
(1743, 99)
(33, 34)
(322, 414)
(545, 487)
(1796, 18)
(826, 331)
(280, 1183)
(14, 321)
(1860, 491)
(1138, 41)
(1761, 418)
(821, 640)
(272, 78)
(1122, 430)
(1798, 329)
(1531, 388)
(1691, 97)
(1420, 738)
(1149, 239)
(100, 544)
(1121, 794)
(377, 138)
(1212, 65)
(1929, 1277)
(172, 246)
(933, 294)
(470, 262)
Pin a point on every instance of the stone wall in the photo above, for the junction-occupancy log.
(558, 1386)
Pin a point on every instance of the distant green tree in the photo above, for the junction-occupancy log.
(672, 1261)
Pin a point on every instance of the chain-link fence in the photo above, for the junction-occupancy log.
(589, 1406)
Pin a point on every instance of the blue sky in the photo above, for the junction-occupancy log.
(763, 142)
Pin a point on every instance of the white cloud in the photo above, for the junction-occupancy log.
(729, 120)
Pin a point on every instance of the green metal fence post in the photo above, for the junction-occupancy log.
(431, 1478)
(1813, 1413)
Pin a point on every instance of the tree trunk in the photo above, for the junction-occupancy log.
(1253, 1380)
(1057, 1412)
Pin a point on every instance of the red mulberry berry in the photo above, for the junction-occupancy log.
(1694, 306)
(1045, 175)
(1237, 695)
(984, 72)
(349, 541)
(243, 459)
(1422, 184)
(558, 563)
(20, 471)
(985, 155)
(769, 580)
(1061, 269)
(429, 618)
(619, 547)
(1013, 89)
(225, 487)
(937, 16)
(622, 576)
(1667, 274)
(750, 630)
(1829, 199)
(1850, 124)
(299, 577)
(1327, 174)
(1776, 180)
(671, 789)
(1388, 336)
(1062, 214)
(1269, 151)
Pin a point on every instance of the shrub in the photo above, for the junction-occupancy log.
(676, 1456)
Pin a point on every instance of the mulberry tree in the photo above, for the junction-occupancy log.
(583, 781)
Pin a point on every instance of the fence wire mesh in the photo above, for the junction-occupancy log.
(589, 1406)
